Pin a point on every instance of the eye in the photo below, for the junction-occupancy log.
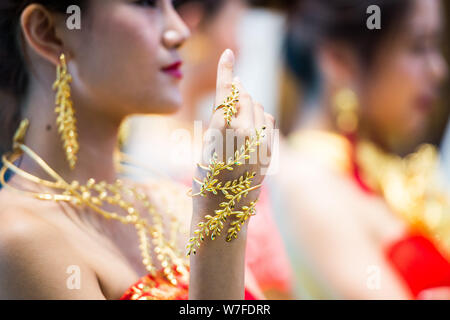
(146, 3)
(178, 3)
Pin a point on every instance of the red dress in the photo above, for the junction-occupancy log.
(420, 263)
(158, 288)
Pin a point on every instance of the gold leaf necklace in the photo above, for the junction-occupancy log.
(125, 198)
(411, 188)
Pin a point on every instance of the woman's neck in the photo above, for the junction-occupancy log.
(97, 138)
(318, 116)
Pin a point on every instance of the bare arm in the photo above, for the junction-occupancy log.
(217, 270)
(348, 258)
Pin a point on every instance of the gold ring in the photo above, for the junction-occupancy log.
(229, 105)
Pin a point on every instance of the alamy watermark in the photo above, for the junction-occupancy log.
(373, 281)
(73, 22)
(73, 282)
(374, 20)
(200, 145)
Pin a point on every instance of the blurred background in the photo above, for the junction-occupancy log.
(359, 204)
(258, 32)
(289, 53)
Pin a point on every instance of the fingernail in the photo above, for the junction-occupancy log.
(228, 56)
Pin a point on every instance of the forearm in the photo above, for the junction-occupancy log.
(218, 267)
(226, 190)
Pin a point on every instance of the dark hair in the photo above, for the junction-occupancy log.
(210, 7)
(314, 21)
(13, 72)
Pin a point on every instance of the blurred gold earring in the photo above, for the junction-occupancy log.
(346, 107)
(66, 121)
(196, 49)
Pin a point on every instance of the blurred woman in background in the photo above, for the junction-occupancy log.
(370, 220)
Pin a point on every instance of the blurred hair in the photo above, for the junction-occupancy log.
(211, 7)
(313, 22)
(274, 4)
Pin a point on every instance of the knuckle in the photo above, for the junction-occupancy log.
(270, 117)
(245, 96)
(227, 86)
(243, 130)
(259, 109)
(227, 65)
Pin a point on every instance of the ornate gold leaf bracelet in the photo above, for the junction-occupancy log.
(233, 191)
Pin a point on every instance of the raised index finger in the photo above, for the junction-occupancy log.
(224, 85)
(224, 76)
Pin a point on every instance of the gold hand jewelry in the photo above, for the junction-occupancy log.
(233, 191)
(229, 105)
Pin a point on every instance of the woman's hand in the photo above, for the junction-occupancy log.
(217, 268)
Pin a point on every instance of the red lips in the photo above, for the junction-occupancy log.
(426, 103)
(174, 70)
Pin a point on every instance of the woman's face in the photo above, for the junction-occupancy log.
(403, 88)
(125, 58)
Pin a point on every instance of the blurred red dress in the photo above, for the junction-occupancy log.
(158, 288)
(417, 258)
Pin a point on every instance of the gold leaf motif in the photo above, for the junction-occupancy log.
(66, 115)
(233, 192)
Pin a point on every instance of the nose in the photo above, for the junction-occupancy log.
(176, 31)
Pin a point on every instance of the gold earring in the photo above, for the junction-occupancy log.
(66, 121)
(346, 106)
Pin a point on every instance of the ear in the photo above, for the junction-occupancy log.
(39, 30)
(339, 63)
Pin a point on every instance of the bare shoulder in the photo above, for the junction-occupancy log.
(21, 227)
(319, 196)
(310, 184)
(21, 222)
(35, 258)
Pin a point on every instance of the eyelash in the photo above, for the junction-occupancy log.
(153, 3)
(179, 3)
(146, 3)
